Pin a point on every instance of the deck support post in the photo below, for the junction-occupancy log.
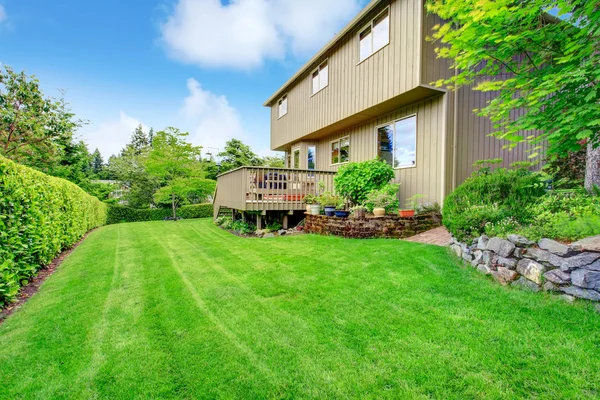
(259, 222)
(285, 221)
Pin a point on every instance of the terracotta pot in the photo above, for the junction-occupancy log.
(379, 212)
(315, 209)
(407, 213)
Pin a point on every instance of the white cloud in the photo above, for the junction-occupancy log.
(111, 136)
(245, 33)
(3, 15)
(212, 121)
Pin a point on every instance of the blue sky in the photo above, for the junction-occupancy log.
(205, 66)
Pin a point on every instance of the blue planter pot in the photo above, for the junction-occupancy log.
(329, 211)
(342, 214)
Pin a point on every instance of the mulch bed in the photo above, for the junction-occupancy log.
(34, 284)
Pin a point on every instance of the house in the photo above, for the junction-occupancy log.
(368, 94)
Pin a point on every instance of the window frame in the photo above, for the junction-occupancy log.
(284, 97)
(393, 122)
(313, 146)
(339, 141)
(318, 71)
(293, 159)
(371, 27)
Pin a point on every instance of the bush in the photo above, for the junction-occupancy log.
(119, 214)
(40, 216)
(354, 181)
(244, 228)
(386, 197)
(490, 198)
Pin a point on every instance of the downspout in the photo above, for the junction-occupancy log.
(455, 135)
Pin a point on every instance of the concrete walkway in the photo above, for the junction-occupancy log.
(438, 236)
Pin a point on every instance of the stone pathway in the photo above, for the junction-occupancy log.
(438, 236)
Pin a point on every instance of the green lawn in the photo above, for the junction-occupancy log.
(186, 310)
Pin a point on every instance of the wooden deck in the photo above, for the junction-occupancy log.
(268, 189)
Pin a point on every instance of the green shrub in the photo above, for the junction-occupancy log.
(245, 228)
(490, 198)
(354, 181)
(40, 216)
(274, 227)
(119, 214)
(385, 197)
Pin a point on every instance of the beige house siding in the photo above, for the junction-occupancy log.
(426, 177)
(354, 86)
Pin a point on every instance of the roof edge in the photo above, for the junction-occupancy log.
(338, 36)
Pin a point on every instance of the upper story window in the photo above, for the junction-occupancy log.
(375, 36)
(340, 150)
(320, 78)
(397, 142)
(283, 106)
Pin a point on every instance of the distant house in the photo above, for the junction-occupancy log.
(368, 94)
(120, 191)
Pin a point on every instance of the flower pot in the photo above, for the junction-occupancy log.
(342, 214)
(407, 213)
(308, 206)
(329, 211)
(379, 211)
(315, 209)
(360, 213)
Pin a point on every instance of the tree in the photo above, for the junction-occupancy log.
(237, 154)
(185, 191)
(150, 137)
(139, 141)
(97, 162)
(273, 161)
(129, 169)
(174, 162)
(32, 125)
(547, 67)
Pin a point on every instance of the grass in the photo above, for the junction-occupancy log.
(186, 310)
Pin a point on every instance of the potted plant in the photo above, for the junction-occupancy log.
(359, 212)
(383, 200)
(329, 201)
(309, 200)
(340, 210)
(411, 206)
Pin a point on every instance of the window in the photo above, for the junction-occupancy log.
(320, 78)
(397, 142)
(283, 106)
(288, 160)
(340, 150)
(296, 159)
(311, 157)
(376, 36)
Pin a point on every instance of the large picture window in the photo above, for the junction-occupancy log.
(312, 157)
(397, 142)
(375, 36)
(340, 150)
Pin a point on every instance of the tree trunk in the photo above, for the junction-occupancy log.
(174, 208)
(592, 167)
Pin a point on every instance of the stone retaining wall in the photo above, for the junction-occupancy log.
(389, 226)
(569, 270)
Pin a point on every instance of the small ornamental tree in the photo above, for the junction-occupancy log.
(354, 181)
(173, 161)
(547, 67)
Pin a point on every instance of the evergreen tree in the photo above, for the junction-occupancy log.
(150, 137)
(97, 162)
(139, 141)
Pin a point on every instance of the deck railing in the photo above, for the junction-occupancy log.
(266, 189)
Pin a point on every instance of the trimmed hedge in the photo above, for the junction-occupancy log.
(118, 214)
(40, 216)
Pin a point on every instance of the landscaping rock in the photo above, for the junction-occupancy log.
(588, 244)
(282, 232)
(477, 256)
(510, 263)
(554, 247)
(595, 266)
(526, 284)
(568, 298)
(467, 257)
(581, 260)
(597, 308)
(502, 247)
(519, 240)
(489, 258)
(586, 279)
(558, 276)
(456, 249)
(550, 287)
(544, 256)
(519, 252)
(482, 242)
(582, 293)
(531, 270)
(484, 269)
(269, 235)
(505, 275)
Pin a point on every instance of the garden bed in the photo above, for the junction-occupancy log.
(390, 226)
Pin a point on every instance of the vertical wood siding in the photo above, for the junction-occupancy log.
(355, 86)
(426, 177)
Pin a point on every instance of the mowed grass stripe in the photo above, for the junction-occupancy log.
(186, 310)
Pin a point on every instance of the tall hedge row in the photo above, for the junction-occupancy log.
(118, 214)
(40, 215)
